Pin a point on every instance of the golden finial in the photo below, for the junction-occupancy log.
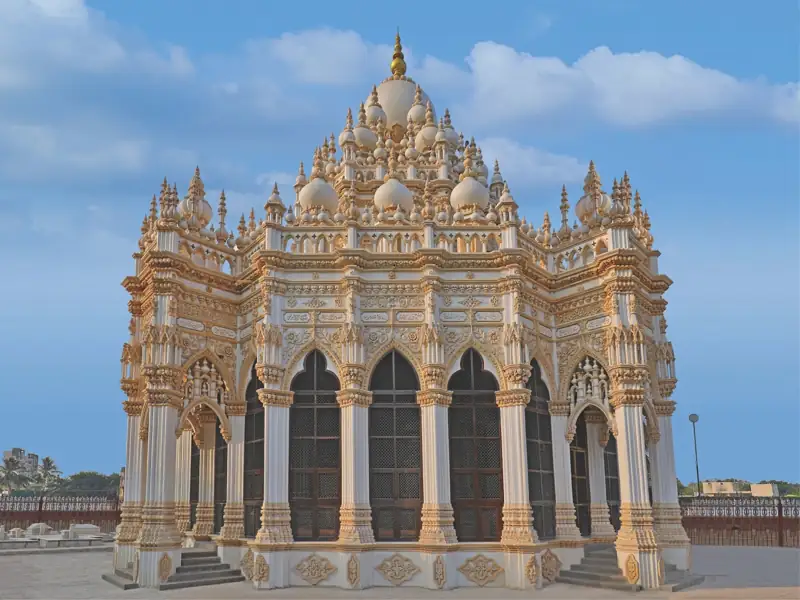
(398, 63)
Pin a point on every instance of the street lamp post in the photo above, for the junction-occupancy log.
(694, 419)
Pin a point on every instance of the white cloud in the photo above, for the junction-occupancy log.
(528, 166)
(284, 180)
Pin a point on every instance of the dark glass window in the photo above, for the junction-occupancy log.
(579, 464)
(253, 456)
(476, 470)
(194, 482)
(395, 451)
(612, 479)
(220, 478)
(541, 479)
(314, 466)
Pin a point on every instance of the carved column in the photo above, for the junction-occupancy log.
(355, 514)
(233, 516)
(204, 516)
(131, 513)
(183, 475)
(566, 524)
(637, 553)
(437, 508)
(595, 438)
(159, 541)
(670, 534)
(275, 515)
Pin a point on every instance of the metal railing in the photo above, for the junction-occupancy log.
(60, 511)
(742, 520)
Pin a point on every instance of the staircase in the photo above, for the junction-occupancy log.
(198, 567)
(201, 567)
(598, 568)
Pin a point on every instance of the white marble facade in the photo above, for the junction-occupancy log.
(403, 245)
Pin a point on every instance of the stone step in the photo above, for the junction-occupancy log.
(198, 568)
(176, 585)
(610, 584)
(124, 573)
(187, 561)
(599, 562)
(680, 580)
(593, 576)
(600, 569)
(121, 582)
(199, 553)
(198, 575)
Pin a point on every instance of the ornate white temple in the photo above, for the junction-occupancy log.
(392, 378)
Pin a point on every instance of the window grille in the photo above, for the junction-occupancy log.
(580, 478)
(476, 471)
(395, 451)
(194, 482)
(314, 464)
(612, 480)
(253, 456)
(541, 478)
(220, 478)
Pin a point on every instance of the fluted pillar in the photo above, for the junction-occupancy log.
(204, 517)
(355, 514)
(437, 508)
(598, 509)
(517, 513)
(637, 552)
(159, 541)
(232, 531)
(670, 534)
(131, 512)
(183, 475)
(566, 523)
(276, 528)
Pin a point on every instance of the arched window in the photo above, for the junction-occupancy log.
(580, 477)
(476, 470)
(612, 480)
(194, 483)
(541, 479)
(395, 451)
(314, 467)
(220, 477)
(253, 456)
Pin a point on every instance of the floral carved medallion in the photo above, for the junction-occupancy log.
(439, 572)
(551, 565)
(353, 571)
(397, 569)
(480, 569)
(315, 568)
(260, 569)
(531, 570)
(164, 567)
(246, 564)
(631, 569)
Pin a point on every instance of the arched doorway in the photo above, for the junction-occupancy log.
(314, 453)
(579, 463)
(476, 469)
(541, 478)
(395, 450)
(253, 495)
(612, 480)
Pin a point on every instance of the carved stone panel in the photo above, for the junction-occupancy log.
(397, 569)
(480, 569)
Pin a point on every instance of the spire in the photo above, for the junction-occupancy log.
(163, 198)
(398, 63)
(626, 192)
(592, 184)
(222, 209)
(153, 211)
(196, 188)
(637, 205)
(564, 209)
(348, 123)
(362, 116)
(242, 227)
(252, 224)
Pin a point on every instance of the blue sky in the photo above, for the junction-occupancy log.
(698, 101)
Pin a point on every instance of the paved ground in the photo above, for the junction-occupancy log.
(736, 573)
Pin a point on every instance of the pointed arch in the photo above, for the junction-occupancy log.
(219, 365)
(224, 423)
(395, 449)
(246, 371)
(491, 361)
(572, 421)
(570, 363)
(409, 354)
(295, 363)
(545, 362)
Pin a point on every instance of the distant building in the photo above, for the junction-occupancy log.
(739, 488)
(28, 461)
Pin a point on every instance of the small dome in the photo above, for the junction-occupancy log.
(319, 193)
(394, 193)
(375, 112)
(587, 208)
(469, 193)
(427, 135)
(416, 113)
(364, 136)
(396, 98)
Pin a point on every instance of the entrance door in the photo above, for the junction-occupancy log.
(580, 478)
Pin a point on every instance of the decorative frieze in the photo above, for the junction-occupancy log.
(269, 397)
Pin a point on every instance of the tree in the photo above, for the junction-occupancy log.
(89, 482)
(12, 475)
(48, 475)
